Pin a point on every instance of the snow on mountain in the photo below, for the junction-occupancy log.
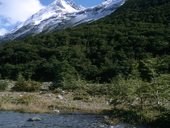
(63, 14)
(57, 9)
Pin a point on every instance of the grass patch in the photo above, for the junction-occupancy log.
(27, 99)
(81, 95)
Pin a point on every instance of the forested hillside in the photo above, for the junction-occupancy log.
(133, 41)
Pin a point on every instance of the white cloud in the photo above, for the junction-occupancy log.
(19, 10)
(15, 11)
(3, 31)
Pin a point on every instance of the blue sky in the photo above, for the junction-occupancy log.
(85, 3)
(14, 12)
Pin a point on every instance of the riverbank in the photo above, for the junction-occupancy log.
(70, 102)
(85, 98)
(48, 102)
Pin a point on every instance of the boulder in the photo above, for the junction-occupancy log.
(34, 119)
(56, 111)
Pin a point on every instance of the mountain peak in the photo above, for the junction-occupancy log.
(68, 5)
(62, 14)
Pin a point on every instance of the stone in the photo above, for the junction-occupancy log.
(34, 119)
(62, 92)
(49, 95)
(60, 97)
(45, 86)
(106, 117)
(56, 111)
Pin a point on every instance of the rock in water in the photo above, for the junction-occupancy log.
(56, 111)
(34, 119)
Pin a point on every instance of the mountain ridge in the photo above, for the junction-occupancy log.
(62, 14)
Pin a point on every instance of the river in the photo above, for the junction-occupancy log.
(20, 120)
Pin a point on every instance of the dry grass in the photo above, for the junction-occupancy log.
(48, 102)
(23, 108)
(92, 105)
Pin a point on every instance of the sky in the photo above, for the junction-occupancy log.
(13, 12)
(85, 3)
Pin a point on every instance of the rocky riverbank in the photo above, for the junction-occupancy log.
(48, 102)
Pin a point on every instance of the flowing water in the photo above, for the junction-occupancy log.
(20, 120)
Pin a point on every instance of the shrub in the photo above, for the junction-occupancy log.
(74, 84)
(3, 85)
(98, 89)
(122, 91)
(141, 94)
(65, 75)
(27, 86)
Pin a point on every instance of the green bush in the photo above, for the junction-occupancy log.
(65, 76)
(26, 85)
(74, 84)
(134, 92)
(98, 89)
(3, 85)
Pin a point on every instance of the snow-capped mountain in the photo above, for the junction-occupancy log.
(63, 14)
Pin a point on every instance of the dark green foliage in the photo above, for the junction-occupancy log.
(142, 102)
(136, 32)
(146, 71)
(162, 121)
(65, 75)
(135, 92)
(3, 85)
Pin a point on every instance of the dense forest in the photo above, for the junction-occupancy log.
(133, 41)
